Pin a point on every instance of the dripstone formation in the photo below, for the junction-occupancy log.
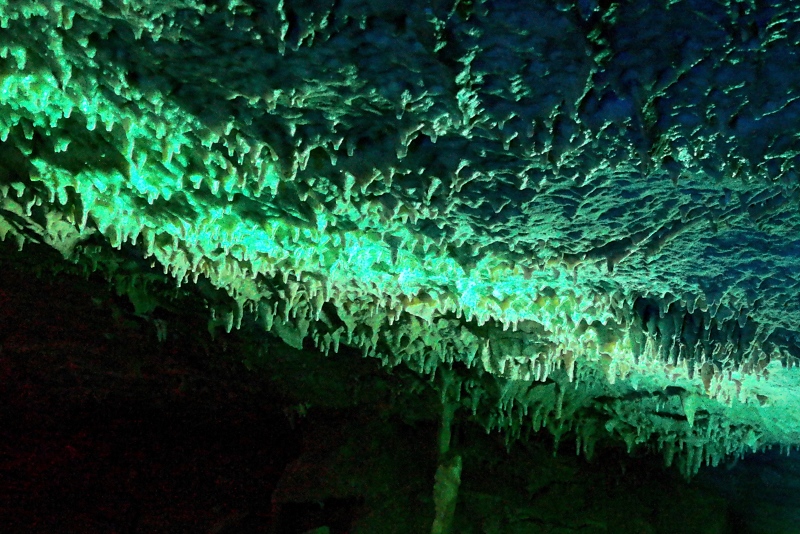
(584, 216)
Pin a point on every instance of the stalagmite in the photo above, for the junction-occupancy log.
(448, 474)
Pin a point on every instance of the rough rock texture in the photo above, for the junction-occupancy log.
(587, 210)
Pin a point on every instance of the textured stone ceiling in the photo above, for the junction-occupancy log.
(588, 211)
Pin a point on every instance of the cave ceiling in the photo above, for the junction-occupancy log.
(588, 210)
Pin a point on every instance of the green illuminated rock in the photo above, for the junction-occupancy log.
(590, 211)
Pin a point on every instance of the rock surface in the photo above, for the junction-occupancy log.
(583, 213)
